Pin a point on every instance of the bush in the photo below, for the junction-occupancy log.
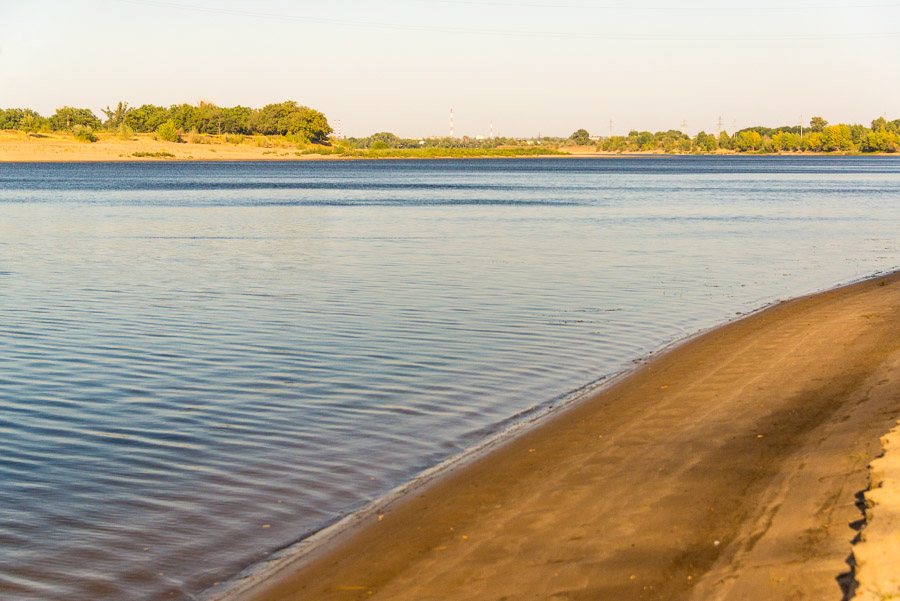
(125, 132)
(235, 139)
(298, 139)
(168, 132)
(159, 155)
(195, 137)
(84, 133)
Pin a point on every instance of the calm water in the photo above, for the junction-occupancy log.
(191, 352)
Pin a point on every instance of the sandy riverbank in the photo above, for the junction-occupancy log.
(17, 147)
(727, 468)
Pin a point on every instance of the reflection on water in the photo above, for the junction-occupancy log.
(200, 363)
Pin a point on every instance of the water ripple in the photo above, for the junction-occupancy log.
(202, 363)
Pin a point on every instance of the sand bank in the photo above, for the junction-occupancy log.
(877, 554)
(18, 147)
(730, 467)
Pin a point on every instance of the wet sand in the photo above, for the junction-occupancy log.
(730, 467)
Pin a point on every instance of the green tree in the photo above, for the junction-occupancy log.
(388, 139)
(836, 138)
(644, 141)
(747, 140)
(184, 116)
(859, 134)
(724, 140)
(817, 124)
(580, 137)
(615, 144)
(32, 122)
(878, 141)
(705, 142)
(115, 117)
(146, 118)
(785, 141)
(15, 118)
(813, 142)
(68, 117)
(235, 120)
(289, 118)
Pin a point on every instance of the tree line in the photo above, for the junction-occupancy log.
(304, 125)
(881, 136)
(819, 136)
(283, 119)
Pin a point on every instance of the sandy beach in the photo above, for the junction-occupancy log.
(731, 467)
(17, 147)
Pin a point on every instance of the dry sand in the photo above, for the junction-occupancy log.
(728, 468)
(877, 554)
(19, 147)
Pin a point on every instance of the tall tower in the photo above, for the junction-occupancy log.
(337, 129)
(451, 123)
(492, 129)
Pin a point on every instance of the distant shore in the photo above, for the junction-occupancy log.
(730, 466)
(18, 147)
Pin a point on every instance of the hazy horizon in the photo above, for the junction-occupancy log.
(531, 68)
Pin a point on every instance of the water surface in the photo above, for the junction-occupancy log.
(203, 362)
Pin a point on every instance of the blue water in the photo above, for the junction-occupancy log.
(190, 352)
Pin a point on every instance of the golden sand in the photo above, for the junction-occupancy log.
(59, 147)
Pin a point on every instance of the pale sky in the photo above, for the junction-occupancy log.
(535, 66)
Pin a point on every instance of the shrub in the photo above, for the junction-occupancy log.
(159, 155)
(298, 139)
(125, 132)
(84, 133)
(195, 137)
(235, 139)
(168, 132)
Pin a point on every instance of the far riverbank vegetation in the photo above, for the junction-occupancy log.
(289, 125)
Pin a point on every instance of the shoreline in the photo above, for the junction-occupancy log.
(62, 148)
(352, 542)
